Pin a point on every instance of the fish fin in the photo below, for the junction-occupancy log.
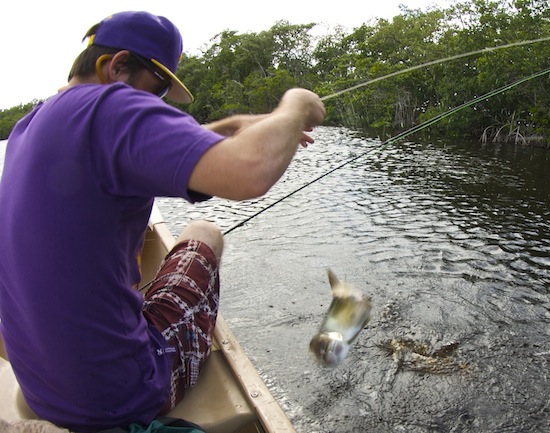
(340, 289)
(332, 278)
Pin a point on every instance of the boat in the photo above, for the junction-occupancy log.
(230, 396)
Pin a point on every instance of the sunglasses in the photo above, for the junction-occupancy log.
(151, 67)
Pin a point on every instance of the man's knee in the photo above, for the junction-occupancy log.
(205, 232)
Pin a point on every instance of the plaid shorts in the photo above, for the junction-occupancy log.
(182, 304)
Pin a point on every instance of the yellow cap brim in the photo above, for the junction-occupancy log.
(178, 92)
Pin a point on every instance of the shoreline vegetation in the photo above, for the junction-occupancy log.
(247, 73)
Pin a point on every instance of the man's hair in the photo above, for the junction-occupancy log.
(84, 64)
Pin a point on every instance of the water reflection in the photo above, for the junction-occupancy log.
(451, 240)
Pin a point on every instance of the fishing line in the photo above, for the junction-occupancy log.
(434, 62)
(415, 128)
(394, 139)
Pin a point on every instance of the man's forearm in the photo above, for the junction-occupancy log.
(231, 125)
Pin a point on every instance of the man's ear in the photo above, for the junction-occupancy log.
(116, 66)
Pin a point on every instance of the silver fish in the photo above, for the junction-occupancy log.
(348, 314)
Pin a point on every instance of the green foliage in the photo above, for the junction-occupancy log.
(248, 73)
(9, 117)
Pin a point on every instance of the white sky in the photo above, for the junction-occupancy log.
(40, 39)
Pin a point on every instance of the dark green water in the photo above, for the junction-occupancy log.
(451, 241)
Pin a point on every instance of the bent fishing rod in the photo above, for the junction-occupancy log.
(394, 139)
(415, 128)
(409, 131)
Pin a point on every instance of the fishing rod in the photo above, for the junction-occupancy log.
(434, 62)
(396, 138)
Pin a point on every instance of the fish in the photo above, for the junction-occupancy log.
(347, 315)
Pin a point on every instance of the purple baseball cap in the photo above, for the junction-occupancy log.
(150, 36)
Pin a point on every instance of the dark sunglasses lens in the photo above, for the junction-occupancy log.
(162, 93)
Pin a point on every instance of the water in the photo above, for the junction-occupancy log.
(451, 241)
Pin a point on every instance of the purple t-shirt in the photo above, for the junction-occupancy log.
(79, 179)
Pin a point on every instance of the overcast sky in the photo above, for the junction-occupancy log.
(40, 39)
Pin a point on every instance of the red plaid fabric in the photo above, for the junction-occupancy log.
(182, 304)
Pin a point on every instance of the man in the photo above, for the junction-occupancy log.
(80, 175)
